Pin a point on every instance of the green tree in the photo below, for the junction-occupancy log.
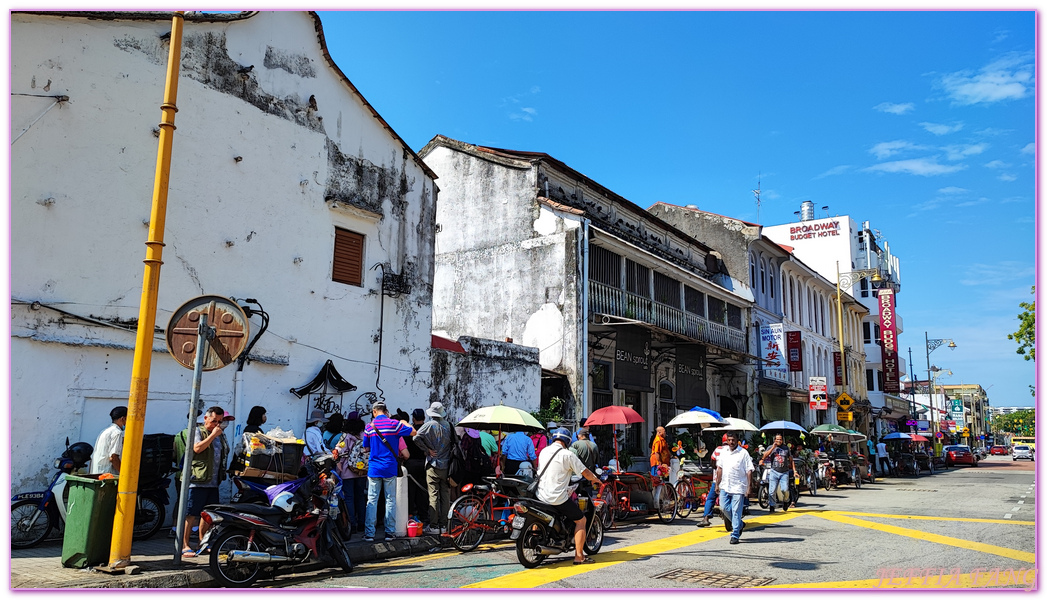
(1022, 422)
(1026, 334)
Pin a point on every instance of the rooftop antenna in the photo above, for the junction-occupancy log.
(756, 193)
(826, 209)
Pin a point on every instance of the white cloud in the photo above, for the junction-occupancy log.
(895, 109)
(996, 164)
(939, 129)
(961, 151)
(1012, 200)
(916, 166)
(525, 114)
(951, 190)
(1007, 177)
(535, 89)
(886, 149)
(1007, 78)
(837, 170)
(979, 274)
(1029, 148)
(993, 131)
(981, 200)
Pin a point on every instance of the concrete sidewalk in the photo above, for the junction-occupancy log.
(41, 567)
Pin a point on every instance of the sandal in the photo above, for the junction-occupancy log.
(585, 561)
(188, 553)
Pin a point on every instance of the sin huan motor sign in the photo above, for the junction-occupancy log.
(889, 341)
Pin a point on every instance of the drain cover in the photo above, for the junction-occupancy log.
(712, 579)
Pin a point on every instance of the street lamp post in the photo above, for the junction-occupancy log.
(931, 346)
(846, 280)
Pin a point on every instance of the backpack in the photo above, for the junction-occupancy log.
(356, 459)
(477, 463)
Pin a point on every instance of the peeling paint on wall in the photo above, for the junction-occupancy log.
(360, 183)
(295, 64)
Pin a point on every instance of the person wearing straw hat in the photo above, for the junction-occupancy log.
(314, 437)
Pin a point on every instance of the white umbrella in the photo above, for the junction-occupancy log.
(693, 417)
(734, 424)
(501, 418)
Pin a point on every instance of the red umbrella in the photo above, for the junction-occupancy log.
(918, 438)
(614, 415)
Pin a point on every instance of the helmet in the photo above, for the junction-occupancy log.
(285, 501)
(561, 434)
(79, 453)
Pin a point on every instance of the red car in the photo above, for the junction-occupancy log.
(959, 455)
(998, 450)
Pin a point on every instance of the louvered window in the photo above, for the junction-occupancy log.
(348, 257)
(695, 301)
(666, 290)
(637, 279)
(605, 266)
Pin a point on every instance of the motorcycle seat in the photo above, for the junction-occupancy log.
(247, 507)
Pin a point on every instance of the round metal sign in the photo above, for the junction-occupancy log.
(225, 317)
(939, 435)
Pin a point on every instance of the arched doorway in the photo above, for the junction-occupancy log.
(729, 408)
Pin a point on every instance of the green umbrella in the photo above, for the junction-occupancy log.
(501, 418)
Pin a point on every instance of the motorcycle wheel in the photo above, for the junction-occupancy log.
(609, 507)
(812, 484)
(685, 499)
(593, 537)
(149, 518)
(827, 481)
(533, 536)
(857, 476)
(338, 551)
(666, 504)
(22, 514)
(761, 497)
(466, 533)
(234, 574)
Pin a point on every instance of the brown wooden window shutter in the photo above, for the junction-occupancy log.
(348, 257)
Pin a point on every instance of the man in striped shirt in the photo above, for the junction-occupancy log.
(383, 467)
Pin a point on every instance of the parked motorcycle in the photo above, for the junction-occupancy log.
(296, 526)
(540, 531)
(35, 514)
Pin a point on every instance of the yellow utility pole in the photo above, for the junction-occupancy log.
(127, 492)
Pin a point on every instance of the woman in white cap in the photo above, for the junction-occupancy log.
(314, 438)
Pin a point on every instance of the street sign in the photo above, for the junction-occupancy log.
(843, 416)
(818, 392)
(844, 401)
(966, 432)
(230, 332)
(939, 435)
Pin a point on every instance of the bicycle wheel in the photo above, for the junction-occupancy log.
(857, 476)
(149, 518)
(685, 500)
(827, 481)
(464, 524)
(665, 500)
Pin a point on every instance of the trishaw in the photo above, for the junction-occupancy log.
(629, 496)
(903, 459)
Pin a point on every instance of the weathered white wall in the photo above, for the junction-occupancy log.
(486, 374)
(506, 266)
(259, 227)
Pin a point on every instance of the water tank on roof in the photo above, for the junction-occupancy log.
(807, 211)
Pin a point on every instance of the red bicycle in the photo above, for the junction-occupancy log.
(484, 509)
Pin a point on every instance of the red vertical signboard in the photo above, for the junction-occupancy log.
(889, 341)
(792, 345)
(837, 369)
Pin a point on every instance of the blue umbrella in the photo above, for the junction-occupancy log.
(897, 435)
(786, 425)
(709, 412)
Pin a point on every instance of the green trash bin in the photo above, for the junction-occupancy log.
(89, 521)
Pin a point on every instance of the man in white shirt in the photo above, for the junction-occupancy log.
(110, 444)
(710, 496)
(733, 469)
(558, 464)
(884, 466)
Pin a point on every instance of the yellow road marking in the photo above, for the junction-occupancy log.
(923, 518)
(531, 578)
(932, 537)
(935, 580)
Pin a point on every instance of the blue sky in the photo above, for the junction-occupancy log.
(921, 122)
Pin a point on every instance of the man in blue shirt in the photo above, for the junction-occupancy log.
(517, 448)
(382, 467)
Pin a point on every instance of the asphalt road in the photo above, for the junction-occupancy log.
(965, 527)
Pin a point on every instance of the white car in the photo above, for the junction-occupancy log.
(1023, 451)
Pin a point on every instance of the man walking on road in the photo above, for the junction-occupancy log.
(732, 479)
(781, 468)
(884, 460)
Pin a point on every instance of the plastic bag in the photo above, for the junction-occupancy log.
(280, 434)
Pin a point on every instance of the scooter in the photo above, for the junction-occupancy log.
(246, 539)
(35, 514)
(540, 531)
